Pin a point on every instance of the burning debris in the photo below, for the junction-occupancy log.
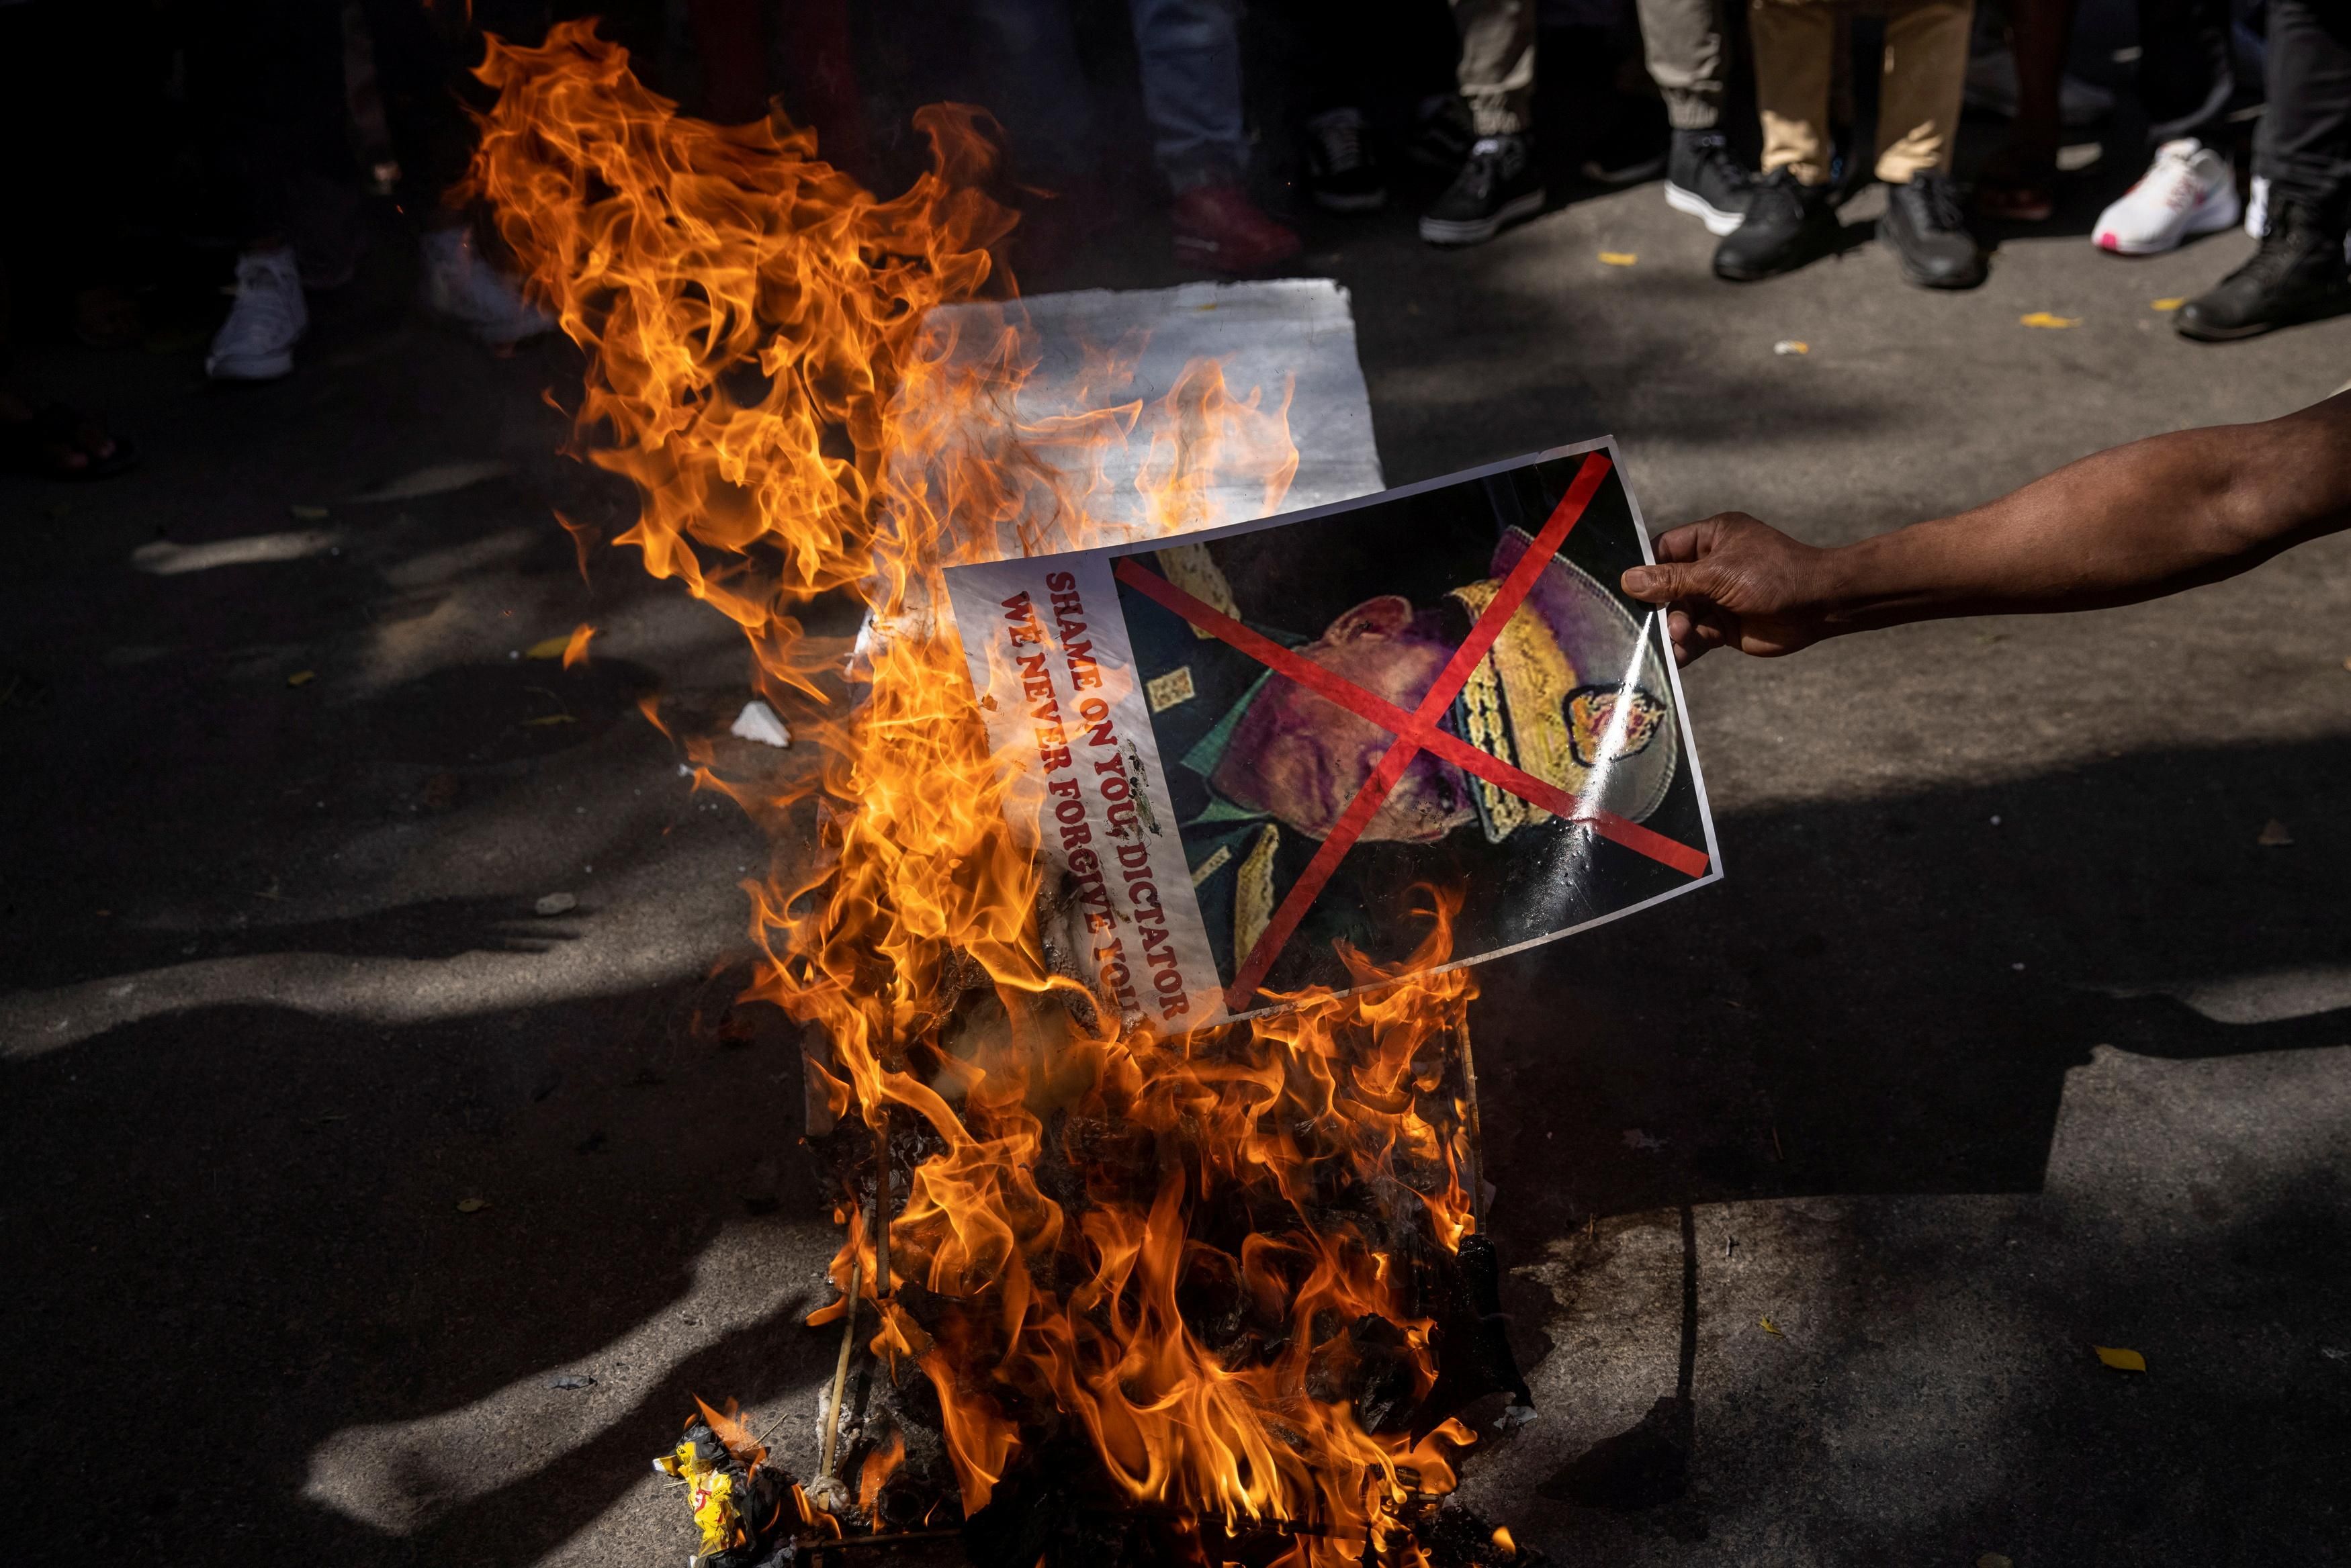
(739, 1503)
(1105, 1296)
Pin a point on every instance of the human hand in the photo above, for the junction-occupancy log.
(1734, 581)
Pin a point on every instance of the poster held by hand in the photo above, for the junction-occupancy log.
(1246, 747)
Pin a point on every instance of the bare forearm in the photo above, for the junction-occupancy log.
(2131, 523)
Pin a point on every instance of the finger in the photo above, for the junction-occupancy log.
(1678, 543)
(1665, 582)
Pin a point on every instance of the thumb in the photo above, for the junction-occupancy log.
(1667, 581)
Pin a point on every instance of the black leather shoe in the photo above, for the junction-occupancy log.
(1788, 223)
(2298, 275)
(1928, 234)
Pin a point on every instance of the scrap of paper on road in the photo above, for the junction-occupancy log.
(1252, 753)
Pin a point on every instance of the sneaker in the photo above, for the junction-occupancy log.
(257, 342)
(2298, 275)
(1788, 223)
(461, 286)
(2188, 190)
(1218, 227)
(1928, 233)
(1703, 179)
(1443, 133)
(1497, 186)
(1339, 167)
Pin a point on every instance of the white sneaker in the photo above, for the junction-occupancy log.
(2188, 190)
(257, 342)
(467, 289)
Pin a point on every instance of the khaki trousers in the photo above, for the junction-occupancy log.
(1497, 63)
(1918, 101)
(1682, 44)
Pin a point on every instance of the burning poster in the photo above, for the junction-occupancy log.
(1245, 749)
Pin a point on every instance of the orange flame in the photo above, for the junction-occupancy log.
(879, 1466)
(763, 364)
(731, 1431)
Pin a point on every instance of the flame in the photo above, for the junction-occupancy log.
(575, 652)
(763, 365)
(879, 1466)
(732, 1432)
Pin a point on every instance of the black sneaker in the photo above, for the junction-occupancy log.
(2298, 275)
(1340, 170)
(1928, 233)
(1788, 225)
(1497, 185)
(1705, 180)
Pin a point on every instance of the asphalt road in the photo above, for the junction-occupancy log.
(2004, 1037)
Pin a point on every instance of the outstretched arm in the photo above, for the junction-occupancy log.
(2134, 523)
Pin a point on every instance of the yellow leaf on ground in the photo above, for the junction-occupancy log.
(2174, 302)
(1618, 258)
(541, 723)
(2043, 319)
(575, 652)
(1994, 1560)
(548, 646)
(472, 1204)
(2121, 1360)
(1771, 1327)
(301, 678)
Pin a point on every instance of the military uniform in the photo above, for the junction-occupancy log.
(1569, 692)
(1242, 861)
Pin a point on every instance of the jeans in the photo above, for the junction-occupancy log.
(2304, 145)
(1190, 54)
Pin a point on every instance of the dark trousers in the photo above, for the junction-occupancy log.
(1378, 55)
(265, 83)
(265, 79)
(2185, 76)
(2304, 144)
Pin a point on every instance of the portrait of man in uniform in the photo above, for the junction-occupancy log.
(1262, 767)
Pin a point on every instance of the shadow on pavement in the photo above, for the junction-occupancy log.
(301, 1267)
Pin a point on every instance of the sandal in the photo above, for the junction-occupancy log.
(59, 443)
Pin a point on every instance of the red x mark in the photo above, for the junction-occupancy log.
(1415, 731)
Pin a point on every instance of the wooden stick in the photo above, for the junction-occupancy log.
(881, 1210)
(841, 1367)
(1477, 1139)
